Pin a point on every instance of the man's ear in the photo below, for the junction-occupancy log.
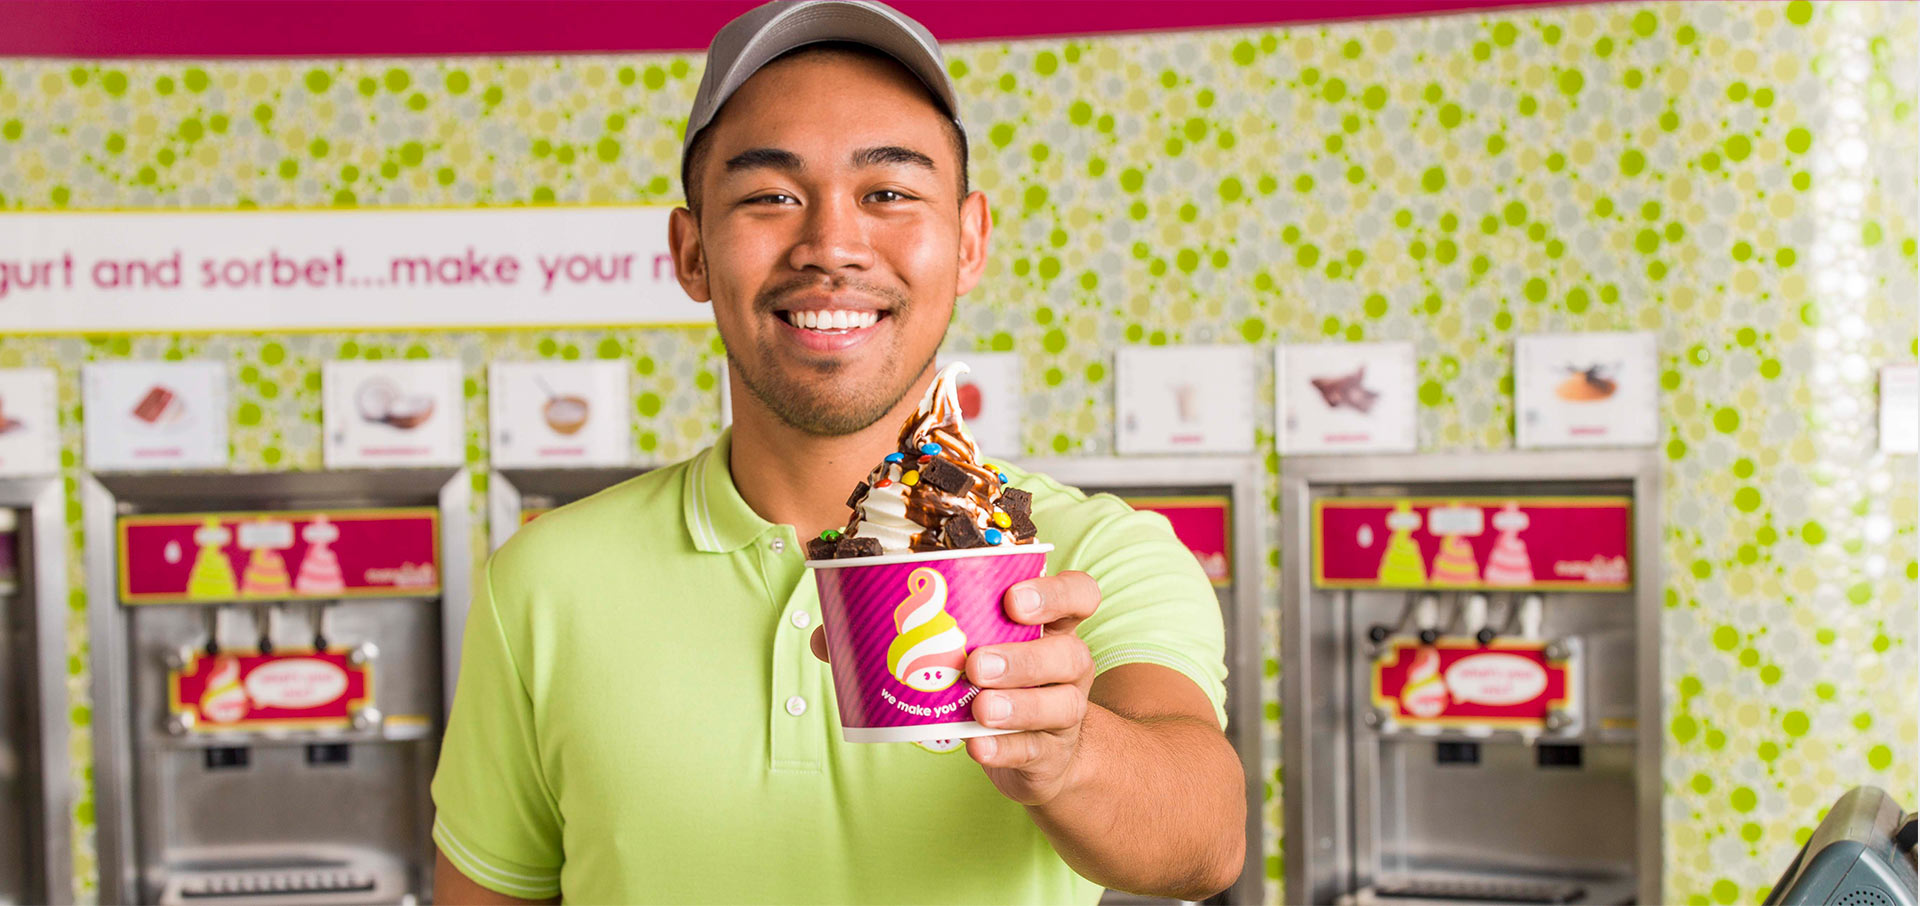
(689, 258)
(976, 227)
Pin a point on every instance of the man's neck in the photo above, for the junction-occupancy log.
(790, 477)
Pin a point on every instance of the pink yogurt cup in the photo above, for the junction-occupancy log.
(900, 627)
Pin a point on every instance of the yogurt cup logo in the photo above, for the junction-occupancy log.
(929, 650)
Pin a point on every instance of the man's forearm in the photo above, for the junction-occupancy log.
(1155, 806)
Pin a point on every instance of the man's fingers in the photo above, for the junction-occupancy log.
(1045, 708)
(1058, 602)
(818, 641)
(1012, 750)
(1044, 661)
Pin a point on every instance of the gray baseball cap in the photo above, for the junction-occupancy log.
(759, 35)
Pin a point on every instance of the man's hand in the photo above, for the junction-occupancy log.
(1038, 688)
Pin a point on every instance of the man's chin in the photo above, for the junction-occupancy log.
(822, 407)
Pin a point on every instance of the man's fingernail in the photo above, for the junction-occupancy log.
(990, 666)
(998, 708)
(1026, 601)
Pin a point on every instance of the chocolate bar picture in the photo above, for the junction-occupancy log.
(160, 404)
(1347, 391)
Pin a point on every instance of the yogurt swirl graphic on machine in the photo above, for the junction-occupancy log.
(933, 492)
(930, 649)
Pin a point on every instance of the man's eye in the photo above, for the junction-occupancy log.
(761, 198)
(897, 196)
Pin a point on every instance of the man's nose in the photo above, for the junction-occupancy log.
(833, 237)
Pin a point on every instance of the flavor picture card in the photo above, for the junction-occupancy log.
(1900, 409)
(546, 414)
(1345, 398)
(1586, 390)
(392, 414)
(29, 422)
(991, 402)
(149, 416)
(1184, 399)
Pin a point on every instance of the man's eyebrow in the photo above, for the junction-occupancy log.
(789, 162)
(892, 154)
(770, 158)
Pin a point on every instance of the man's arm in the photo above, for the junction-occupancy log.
(1130, 777)
(450, 886)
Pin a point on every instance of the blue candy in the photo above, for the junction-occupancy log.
(930, 449)
(894, 457)
(993, 536)
(1003, 478)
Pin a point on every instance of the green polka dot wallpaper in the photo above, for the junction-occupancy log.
(1740, 179)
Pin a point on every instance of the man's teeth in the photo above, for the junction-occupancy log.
(814, 319)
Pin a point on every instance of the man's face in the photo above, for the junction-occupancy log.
(830, 240)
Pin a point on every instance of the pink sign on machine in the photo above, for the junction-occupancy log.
(1508, 543)
(190, 558)
(1204, 524)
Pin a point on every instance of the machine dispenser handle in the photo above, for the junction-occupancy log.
(1474, 619)
(1378, 633)
(319, 626)
(264, 617)
(1426, 615)
(213, 631)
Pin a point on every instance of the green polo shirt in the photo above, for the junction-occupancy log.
(639, 717)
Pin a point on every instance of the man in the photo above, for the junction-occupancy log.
(642, 712)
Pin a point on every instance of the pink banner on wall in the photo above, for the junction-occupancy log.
(1511, 543)
(1204, 525)
(279, 556)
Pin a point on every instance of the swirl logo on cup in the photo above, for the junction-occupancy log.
(900, 627)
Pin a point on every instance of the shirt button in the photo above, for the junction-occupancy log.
(796, 706)
(777, 545)
(802, 619)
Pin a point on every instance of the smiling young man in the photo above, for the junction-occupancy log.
(642, 713)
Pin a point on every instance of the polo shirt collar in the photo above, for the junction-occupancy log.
(718, 518)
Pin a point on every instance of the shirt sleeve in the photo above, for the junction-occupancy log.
(498, 821)
(1156, 605)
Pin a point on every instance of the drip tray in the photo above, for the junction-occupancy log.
(1452, 888)
(1479, 890)
(229, 885)
(351, 879)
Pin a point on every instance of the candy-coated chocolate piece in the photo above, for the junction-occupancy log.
(930, 448)
(993, 537)
(1002, 520)
(883, 483)
(911, 478)
(894, 457)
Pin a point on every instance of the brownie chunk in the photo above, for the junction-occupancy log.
(960, 533)
(857, 547)
(946, 477)
(1016, 502)
(1022, 527)
(820, 549)
(859, 493)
